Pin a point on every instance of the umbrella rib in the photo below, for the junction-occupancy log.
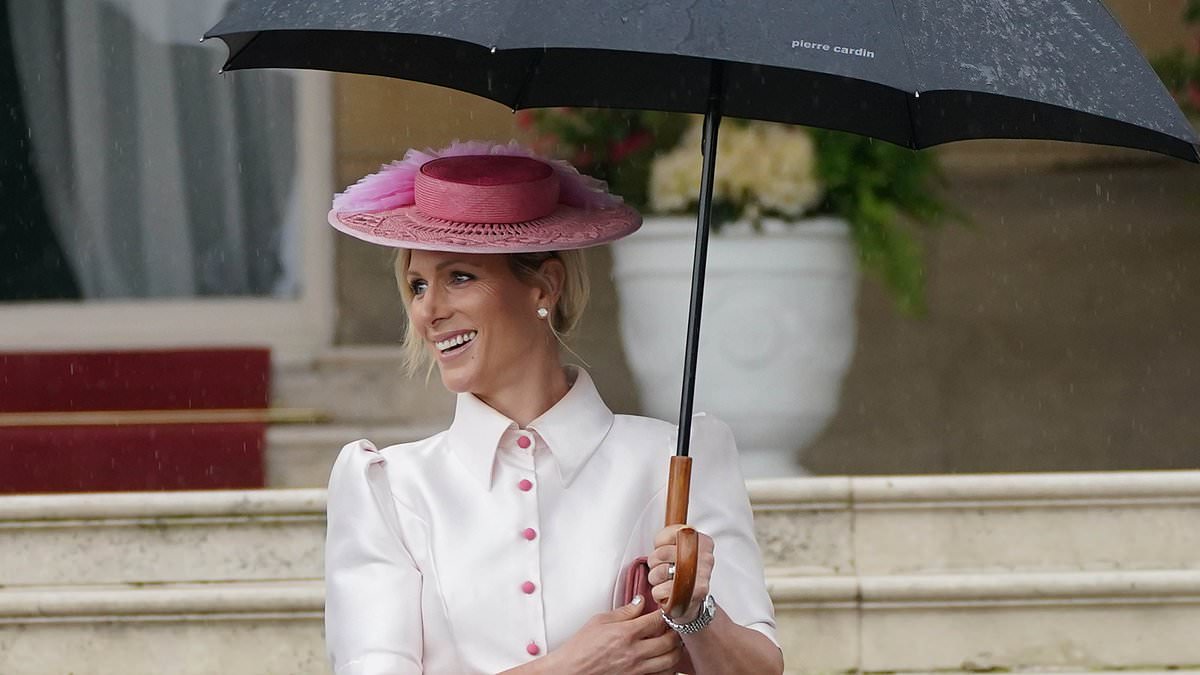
(531, 73)
(910, 98)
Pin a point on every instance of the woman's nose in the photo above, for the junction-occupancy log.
(431, 308)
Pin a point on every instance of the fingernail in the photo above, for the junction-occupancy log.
(637, 600)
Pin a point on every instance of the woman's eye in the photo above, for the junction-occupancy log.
(461, 277)
(417, 286)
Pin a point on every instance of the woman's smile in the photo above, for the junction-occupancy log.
(454, 345)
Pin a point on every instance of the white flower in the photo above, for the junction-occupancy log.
(761, 167)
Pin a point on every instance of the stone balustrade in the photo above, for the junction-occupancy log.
(899, 574)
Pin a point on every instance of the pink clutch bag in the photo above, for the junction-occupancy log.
(637, 582)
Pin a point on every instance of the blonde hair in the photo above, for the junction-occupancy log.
(527, 268)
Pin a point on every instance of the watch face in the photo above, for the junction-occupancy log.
(710, 607)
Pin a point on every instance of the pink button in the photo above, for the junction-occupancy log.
(528, 587)
(525, 485)
(530, 533)
(533, 649)
(524, 442)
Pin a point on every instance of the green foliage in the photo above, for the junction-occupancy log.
(1180, 68)
(883, 191)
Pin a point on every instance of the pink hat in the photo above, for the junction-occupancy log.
(478, 197)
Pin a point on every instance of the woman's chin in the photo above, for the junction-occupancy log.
(455, 379)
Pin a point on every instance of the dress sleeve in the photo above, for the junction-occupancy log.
(372, 585)
(720, 508)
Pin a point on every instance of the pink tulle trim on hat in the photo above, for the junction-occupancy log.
(392, 186)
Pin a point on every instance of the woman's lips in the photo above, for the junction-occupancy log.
(450, 340)
(455, 352)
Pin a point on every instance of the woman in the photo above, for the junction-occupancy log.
(501, 544)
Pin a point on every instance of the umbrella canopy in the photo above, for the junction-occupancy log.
(913, 72)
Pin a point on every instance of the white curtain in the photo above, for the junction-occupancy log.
(161, 178)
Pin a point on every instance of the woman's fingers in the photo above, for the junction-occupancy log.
(663, 665)
(661, 644)
(661, 592)
(649, 625)
(662, 661)
(660, 574)
(665, 553)
(662, 555)
(667, 535)
(661, 582)
(657, 648)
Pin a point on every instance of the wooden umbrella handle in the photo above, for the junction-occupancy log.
(687, 542)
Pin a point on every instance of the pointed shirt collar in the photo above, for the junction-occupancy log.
(572, 429)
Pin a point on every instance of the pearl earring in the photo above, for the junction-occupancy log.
(542, 312)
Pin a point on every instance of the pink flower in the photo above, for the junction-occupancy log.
(526, 119)
(629, 145)
(1193, 94)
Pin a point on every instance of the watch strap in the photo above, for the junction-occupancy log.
(707, 611)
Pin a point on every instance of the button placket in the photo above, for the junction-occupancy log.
(531, 535)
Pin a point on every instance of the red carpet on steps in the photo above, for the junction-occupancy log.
(79, 458)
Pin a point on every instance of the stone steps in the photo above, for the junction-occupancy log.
(301, 455)
(365, 385)
(1034, 572)
(1093, 570)
(62, 541)
(230, 628)
(366, 395)
(130, 602)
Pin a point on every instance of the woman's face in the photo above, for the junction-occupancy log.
(478, 321)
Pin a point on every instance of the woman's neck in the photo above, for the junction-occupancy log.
(533, 391)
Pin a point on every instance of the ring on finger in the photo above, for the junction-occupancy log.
(671, 571)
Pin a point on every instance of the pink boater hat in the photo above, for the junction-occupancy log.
(478, 197)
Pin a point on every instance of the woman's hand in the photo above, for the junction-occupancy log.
(664, 556)
(619, 641)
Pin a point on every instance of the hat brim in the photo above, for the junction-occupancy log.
(564, 229)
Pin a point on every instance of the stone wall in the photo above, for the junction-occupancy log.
(1061, 335)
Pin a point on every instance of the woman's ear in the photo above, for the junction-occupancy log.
(551, 276)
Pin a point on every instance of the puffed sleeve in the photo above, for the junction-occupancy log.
(372, 585)
(720, 508)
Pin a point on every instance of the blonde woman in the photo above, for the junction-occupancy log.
(499, 545)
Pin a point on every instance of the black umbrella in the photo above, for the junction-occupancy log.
(913, 72)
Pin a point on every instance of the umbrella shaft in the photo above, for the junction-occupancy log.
(712, 120)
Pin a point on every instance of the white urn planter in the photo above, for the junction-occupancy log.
(777, 334)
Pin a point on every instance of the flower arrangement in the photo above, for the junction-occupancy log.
(764, 170)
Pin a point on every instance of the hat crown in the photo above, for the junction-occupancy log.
(486, 169)
(486, 189)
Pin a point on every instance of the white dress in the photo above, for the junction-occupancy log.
(487, 546)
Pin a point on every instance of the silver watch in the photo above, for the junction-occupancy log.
(707, 611)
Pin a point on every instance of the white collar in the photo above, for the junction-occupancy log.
(572, 428)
